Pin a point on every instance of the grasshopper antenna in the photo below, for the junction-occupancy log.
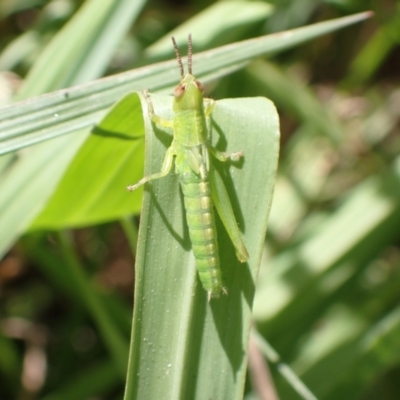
(190, 53)
(178, 56)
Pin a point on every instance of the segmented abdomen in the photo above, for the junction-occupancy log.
(203, 233)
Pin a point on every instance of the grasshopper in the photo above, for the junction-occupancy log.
(202, 188)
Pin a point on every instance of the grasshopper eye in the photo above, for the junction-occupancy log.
(199, 86)
(179, 90)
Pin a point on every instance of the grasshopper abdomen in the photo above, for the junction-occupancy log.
(203, 234)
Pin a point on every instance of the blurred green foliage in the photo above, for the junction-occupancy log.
(327, 297)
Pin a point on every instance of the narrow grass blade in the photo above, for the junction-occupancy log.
(192, 348)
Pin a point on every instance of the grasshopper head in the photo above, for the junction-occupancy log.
(188, 95)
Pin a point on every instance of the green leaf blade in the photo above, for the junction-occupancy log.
(93, 189)
(21, 119)
(192, 348)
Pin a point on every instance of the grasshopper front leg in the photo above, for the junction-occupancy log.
(223, 156)
(169, 155)
(209, 105)
(166, 168)
(155, 118)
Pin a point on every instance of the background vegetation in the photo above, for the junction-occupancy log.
(327, 294)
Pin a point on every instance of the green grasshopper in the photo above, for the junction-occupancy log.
(202, 187)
